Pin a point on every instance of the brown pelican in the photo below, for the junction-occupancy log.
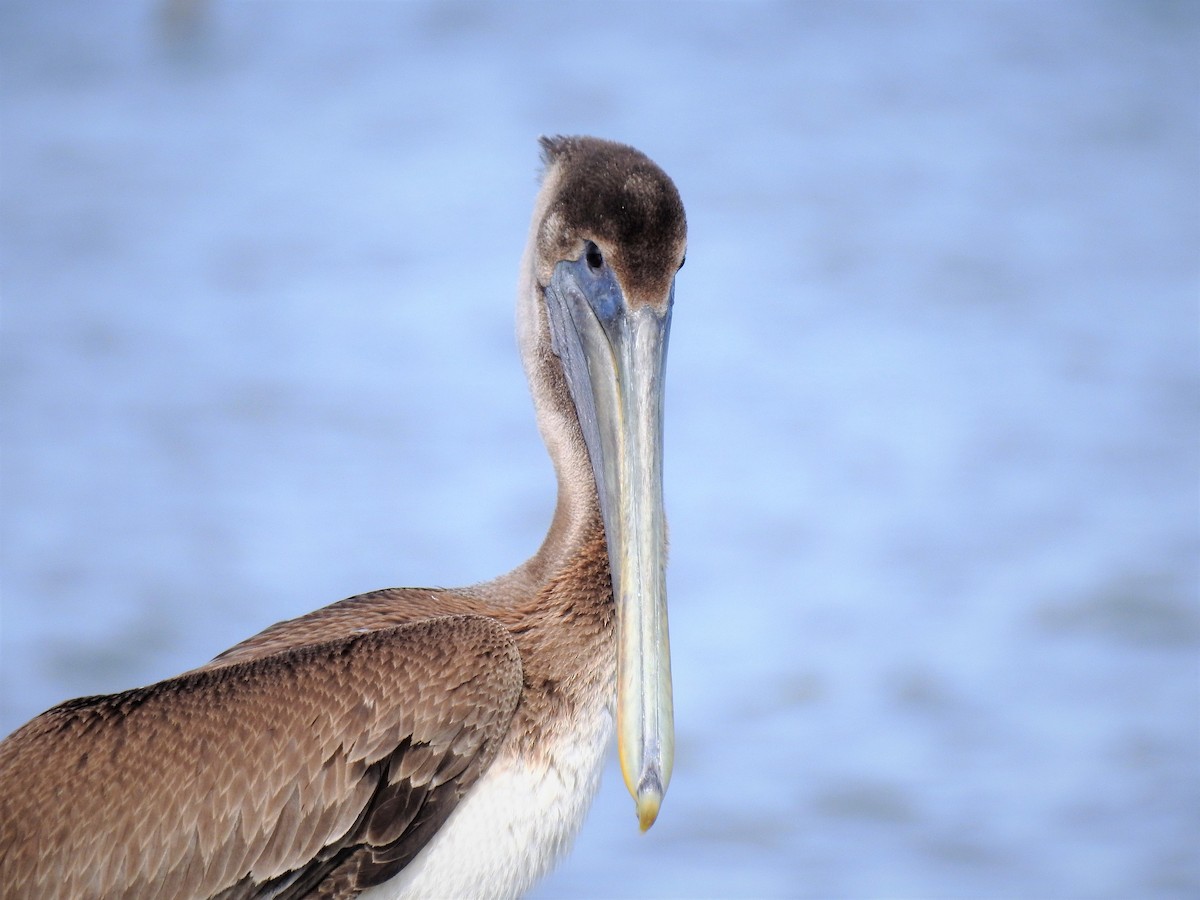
(416, 742)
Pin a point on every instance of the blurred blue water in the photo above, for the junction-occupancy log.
(932, 464)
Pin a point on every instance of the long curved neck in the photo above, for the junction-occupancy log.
(577, 511)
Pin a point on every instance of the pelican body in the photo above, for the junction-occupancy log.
(416, 742)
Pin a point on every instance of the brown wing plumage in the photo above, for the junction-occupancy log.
(317, 771)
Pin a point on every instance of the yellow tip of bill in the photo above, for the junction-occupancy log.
(648, 802)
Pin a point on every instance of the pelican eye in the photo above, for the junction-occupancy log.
(595, 259)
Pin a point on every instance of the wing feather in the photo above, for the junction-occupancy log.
(319, 770)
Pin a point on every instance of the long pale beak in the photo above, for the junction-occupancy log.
(614, 357)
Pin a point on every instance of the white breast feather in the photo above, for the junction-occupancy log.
(513, 826)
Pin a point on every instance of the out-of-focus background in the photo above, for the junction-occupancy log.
(934, 394)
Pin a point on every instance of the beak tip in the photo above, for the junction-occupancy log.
(649, 799)
(647, 808)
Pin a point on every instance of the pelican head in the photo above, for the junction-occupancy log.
(608, 236)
